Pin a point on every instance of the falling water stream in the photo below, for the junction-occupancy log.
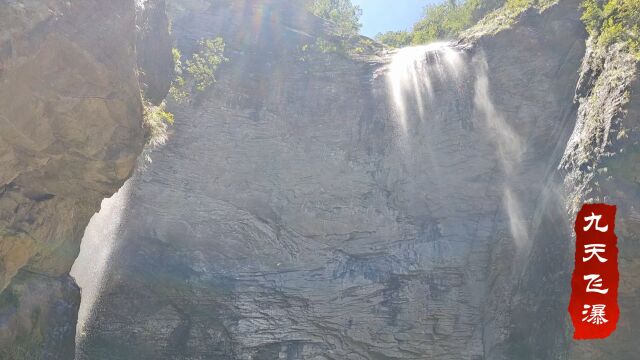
(412, 78)
(98, 244)
(412, 73)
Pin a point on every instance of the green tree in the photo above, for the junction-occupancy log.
(177, 90)
(205, 62)
(449, 19)
(342, 13)
(395, 38)
(614, 21)
(201, 67)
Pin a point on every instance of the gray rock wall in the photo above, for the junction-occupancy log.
(71, 131)
(289, 217)
(601, 165)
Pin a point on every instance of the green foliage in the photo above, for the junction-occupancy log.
(177, 61)
(346, 18)
(614, 21)
(362, 45)
(505, 16)
(443, 21)
(156, 120)
(345, 47)
(342, 13)
(395, 39)
(205, 62)
(325, 46)
(450, 19)
(177, 90)
(201, 67)
(592, 15)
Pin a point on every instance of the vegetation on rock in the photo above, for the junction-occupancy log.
(613, 21)
(450, 19)
(395, 39)
(177, 90)
(201, 68)
(156, 120)
(442, 21)
(342, 13)
(346, 20)
(503, 17)
(609, 21)
(205, 62)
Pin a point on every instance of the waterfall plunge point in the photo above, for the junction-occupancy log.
(412, 73)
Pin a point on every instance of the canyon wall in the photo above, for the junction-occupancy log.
(602, 164)
(310, 207)
(315, 203)
(71, 131)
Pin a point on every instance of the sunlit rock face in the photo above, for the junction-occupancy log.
(315, 206)
(602, 163)
(70, 133)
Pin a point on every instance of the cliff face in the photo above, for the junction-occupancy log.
(307, 207)
(602, 164)
(71, 120)
(313, 204)
(153, 49)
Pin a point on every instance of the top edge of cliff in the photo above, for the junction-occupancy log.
(506, 17)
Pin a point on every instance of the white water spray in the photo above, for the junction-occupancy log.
(412, 74)
(510, 150)
(98, 244)
(423, 79)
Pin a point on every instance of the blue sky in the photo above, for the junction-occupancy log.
(384, 15)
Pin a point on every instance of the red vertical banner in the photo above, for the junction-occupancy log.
(594, 286)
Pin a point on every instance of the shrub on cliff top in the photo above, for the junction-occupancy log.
(342, 13)
(450, 19)
(345, 40)
(442, 21)
(614, 21)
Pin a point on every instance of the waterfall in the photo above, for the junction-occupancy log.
(510, 150)
(436, 83)
(412, 74)
(98, 243)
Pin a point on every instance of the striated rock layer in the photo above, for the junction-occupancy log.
(602, 164)
(323, 206)
(71, 131)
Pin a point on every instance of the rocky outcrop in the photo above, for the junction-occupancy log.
(533, 71)
(291, 215)
(602, 164)
(71, 120)
(153, 49)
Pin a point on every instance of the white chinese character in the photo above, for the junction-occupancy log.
(595, 284)
(594, 250)
(596, 315)
(595, 218)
